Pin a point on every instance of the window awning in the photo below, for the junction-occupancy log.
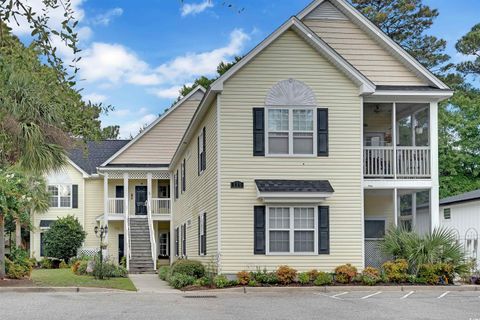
(293, 191)
(46, 223)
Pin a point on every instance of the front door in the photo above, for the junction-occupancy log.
(140, 200)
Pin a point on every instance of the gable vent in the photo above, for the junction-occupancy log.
(326, 11)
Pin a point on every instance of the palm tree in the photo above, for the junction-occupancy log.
(32, 136)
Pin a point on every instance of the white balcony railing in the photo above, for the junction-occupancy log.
(378, 162)
(160, 206)
(410, 162)
(413, 162)
(116, 206)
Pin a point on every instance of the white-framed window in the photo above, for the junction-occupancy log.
(292, 230)
(163, 244)
(202, 159)
(60, 195)
(291, 131)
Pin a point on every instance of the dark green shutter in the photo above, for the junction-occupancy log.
(204, 240)
(258, 131)
(323, 230)
(204, 154)
(199, 238)
(322, 132)
(75, 196)
(259, 230)
(199, 161)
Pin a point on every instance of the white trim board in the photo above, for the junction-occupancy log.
(365, 24)
(153, 124)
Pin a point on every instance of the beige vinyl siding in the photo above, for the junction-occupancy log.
(379, 205)
(67, 175)
(363, 52)
(159, 144)
(93, 209)
(290, 57)
(201, 192)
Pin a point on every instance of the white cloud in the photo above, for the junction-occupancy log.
(196, 8)
(94, 97)
(167, 93)
(133, 127)
(183, 68)
(111, 62)
(107, 17)
(115, 63)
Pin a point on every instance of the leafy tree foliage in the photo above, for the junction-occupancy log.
(64, 238)
(406, 21)
(20, 194)
(469, 44)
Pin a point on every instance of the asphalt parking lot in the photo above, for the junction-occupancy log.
(358, 305)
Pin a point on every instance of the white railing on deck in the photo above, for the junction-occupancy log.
(152, 237)
(378, 162)
(160, 206)
(410, 162)
(116, 205)
(413, 162)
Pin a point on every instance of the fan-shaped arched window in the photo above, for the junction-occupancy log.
(291, 119)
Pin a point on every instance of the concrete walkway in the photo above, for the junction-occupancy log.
(148, 283)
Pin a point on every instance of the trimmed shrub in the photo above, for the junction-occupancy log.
(82, 268)
(204, 281)
(243, 278)
(64, 238)
(181, 280)
(252, 283)
(15, 271)
(370, 276)
(286, 275)
(20, 264)
(264, 276)
(304, 278)
(313, 274)
(323, 279)
(46, 263)
(221, 281)
(345, 273)
(189, 267)
(396, 271)
(63, 265)
(437, 273)
(164, 272)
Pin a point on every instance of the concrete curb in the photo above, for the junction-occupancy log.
(61, 289)
(338, 289)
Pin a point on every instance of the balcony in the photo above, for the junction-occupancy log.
(396, 141)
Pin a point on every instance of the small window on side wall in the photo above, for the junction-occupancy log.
(374, 229)
(447, 214)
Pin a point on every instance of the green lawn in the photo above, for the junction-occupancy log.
(66, 278)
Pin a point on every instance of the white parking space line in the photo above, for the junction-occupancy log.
(336, 296)
(407, 295)
(443, 295)
(371, 295)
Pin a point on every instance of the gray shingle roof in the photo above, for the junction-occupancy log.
(294, 186)
(96, 153)
(467, 196)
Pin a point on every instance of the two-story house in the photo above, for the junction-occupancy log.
(303, 154)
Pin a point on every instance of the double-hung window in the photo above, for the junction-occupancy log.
(202, 158)
(292, 230)
(291, 131)
(60, 195)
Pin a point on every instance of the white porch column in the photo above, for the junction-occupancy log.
(149, 194)
(434, 193)
(394, 142)
(126, 235)
(395, 206)
(105, 205)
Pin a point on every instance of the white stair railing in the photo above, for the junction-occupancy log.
(152, 235)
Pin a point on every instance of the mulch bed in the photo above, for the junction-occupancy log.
(16, 283)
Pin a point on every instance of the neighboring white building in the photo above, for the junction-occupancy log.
(462, 214)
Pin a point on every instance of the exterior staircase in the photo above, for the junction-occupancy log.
(141, 251)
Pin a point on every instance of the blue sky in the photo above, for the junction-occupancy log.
(136, 54)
